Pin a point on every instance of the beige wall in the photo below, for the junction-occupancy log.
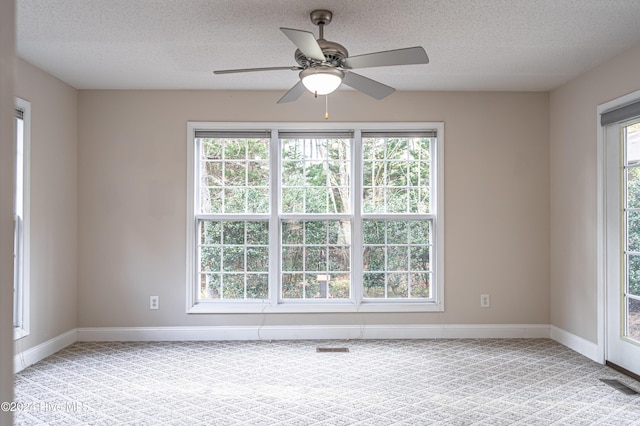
(7, 63)
(132, 180)
(54, 203)
(573, 134)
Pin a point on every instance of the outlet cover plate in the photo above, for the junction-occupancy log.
(154, 302)
(485, 301)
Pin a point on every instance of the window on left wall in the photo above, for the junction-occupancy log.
(22, 133)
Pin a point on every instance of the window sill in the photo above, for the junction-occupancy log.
(306, 308)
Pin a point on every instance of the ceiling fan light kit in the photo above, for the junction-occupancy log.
(321, 80)
(325, 65)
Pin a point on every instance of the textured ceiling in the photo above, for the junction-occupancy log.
(531, 45)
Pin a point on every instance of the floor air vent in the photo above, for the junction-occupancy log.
(319, 349)
(619, 386)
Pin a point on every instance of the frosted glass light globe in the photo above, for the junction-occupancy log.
(321, 80)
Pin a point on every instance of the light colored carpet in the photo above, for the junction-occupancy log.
(379, 382)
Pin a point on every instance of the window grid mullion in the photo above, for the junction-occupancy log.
(304, 262)
(386, 262)
(275, 207)
(245, 264)
(222, 260)
(304, 178)
(325, 166)
(385, 187)
(408, 267)
(327, 251)
(356, 193)
(223, 182)
(407, 183)
(246, 183)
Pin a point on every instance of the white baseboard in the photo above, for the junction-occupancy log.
(295, 332)
(37, 353)
(577, 343)
(299, 332)
(286, 332)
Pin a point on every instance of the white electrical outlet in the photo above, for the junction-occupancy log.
(485, 301)
(154, 302)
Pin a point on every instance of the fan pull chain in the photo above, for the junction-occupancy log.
(326, 107)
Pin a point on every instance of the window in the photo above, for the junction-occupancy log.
(22, 122)
(315, 219)
(286, 218)
(232, 215)
(396, 183)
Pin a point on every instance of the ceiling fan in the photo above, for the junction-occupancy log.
(324, 65)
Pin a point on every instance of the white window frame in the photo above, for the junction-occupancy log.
(21, 326)
(356, 303)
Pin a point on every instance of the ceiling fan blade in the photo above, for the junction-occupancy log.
(293, 94)
(256, 69)
(306, 42)
(408, 56)
(367, 86)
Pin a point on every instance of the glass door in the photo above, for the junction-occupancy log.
(623, 245)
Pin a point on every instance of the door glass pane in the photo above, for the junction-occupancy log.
(633, 187)
(633, 274)
(633, 230)
(633, 319)
(633, 144)
(631, 138)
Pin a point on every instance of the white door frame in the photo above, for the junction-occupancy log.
(601, 218)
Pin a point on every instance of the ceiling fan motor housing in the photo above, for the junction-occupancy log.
(334, 52)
